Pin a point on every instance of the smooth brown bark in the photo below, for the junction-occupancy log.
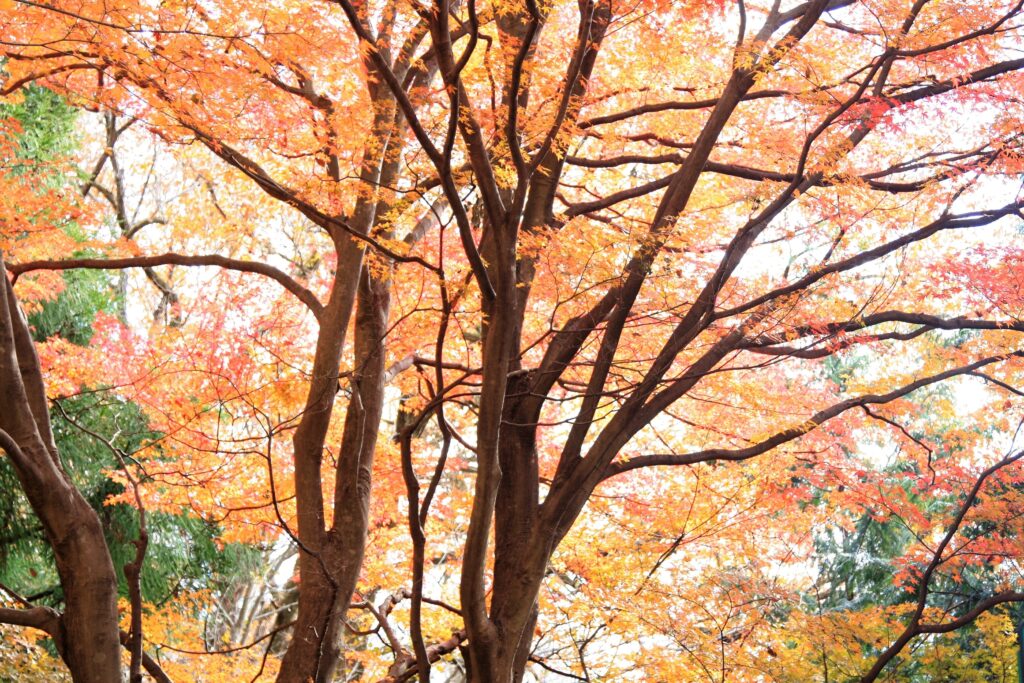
(313, 651)
(89, 635)
(330, 557)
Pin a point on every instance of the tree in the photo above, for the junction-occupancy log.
(184, 550)
(576, 260)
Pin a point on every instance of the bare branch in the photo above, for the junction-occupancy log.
(301, 293)
(787, 435)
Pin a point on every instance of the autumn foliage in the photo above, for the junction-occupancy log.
(512, 340)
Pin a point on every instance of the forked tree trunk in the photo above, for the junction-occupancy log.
(504, 658)
(330, 556)
(329, 576)
(312, 654)
(88, 636)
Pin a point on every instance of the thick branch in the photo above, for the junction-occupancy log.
(42, 618)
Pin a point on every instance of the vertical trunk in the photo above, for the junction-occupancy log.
(508, 651)
(514, 616)
(329, 559)
(519, 560)
(313, 651)
(489, 662)
(329, 575)
(522, 548)
(89, 638)
(354, 473)
(359, 439)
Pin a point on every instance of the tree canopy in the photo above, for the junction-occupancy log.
(511, 340)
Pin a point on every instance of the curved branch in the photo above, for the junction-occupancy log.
(766, 343)
(301, 293)
(915, 627)
(674, 105)
(909, 96)
(838, 345)
(979, 609)
(42, 618)
(765, 175)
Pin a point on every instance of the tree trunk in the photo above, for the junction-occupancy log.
(514, 609)
(329, 561)
(329, 575)
(89, 638)
(313, 652)
(501, 648)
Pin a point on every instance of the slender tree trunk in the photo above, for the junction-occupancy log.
(330, 558)
(313, 652)
(329, 577)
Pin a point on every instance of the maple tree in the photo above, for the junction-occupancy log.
(609, 303)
